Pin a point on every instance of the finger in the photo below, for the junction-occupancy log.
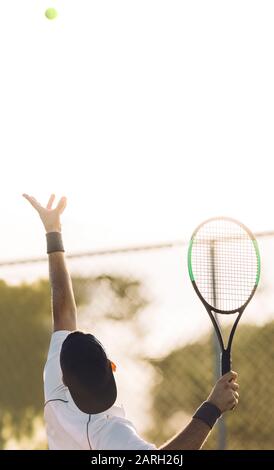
(231, 399)
(61, 205)
(229, 376)
(51, 200)
(234, 386)
(233, 404)
(33, 202)
(234, 398)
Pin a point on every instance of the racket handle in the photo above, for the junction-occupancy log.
(226, 361)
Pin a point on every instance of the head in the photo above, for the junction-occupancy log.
(88, 373)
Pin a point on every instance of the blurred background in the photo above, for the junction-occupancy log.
(151, 117)
(141, 305)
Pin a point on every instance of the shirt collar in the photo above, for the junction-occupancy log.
(115, 410)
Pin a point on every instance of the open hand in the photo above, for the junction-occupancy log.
(49, 216)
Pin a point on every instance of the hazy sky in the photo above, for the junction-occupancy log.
(149, 115)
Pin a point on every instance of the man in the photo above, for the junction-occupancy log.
(79, 385)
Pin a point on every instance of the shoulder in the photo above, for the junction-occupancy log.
(56, 341)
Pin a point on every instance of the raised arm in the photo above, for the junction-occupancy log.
(223, 397)
(64, 311)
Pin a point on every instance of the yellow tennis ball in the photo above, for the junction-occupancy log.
(51, 13)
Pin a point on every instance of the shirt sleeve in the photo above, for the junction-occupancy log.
(53, 383)
(120, 434)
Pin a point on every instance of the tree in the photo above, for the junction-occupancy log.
(25, 334)
(184, 378)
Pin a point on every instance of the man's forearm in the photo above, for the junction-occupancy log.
(191, 438)
(63, 304)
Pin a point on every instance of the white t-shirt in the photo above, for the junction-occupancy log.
(68, 428)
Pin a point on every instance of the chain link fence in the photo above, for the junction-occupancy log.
(141, 305)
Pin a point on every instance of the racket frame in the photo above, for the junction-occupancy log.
(225, 351)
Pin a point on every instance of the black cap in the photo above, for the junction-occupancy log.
(87, 372)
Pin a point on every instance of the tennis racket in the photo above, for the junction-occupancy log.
(224, 267)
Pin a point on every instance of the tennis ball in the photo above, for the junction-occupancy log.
(51, 13)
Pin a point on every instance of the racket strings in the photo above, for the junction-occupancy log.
(224, 264)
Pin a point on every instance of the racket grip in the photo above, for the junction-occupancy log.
(226, 361)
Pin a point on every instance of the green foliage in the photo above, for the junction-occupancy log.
(184, 377)
(114, 298)
(24, 338)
